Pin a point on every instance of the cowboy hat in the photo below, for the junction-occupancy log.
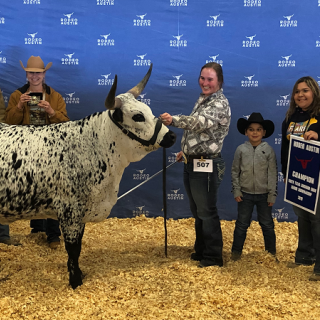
(255, 117)
(35, 64)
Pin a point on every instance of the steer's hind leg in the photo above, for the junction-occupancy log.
(73, 237)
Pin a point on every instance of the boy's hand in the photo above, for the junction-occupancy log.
(270, 204)
(238, 199)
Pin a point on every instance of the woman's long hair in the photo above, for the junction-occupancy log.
(314, 108)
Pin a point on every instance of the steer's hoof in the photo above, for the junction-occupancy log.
(75, 284)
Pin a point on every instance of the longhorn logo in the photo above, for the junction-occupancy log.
(178, 37)
(175, 191)
(178, 77)
(32, 35)
(285, 97)
(288, 17)
(286, 57)
(70, 94)
(215, 17)
(250, 77)
(142, 95)
(251, 38)
(279, 210)
(140, 208)
(105, 75)
(105, 36)
(68, 15)
(214, 57)
(69, 55)
(247, 117)
(141, 56)
(141, 16)
(141, 171)
(304, 163)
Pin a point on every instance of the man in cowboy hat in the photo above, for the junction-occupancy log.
(49, 108)
(254, 182)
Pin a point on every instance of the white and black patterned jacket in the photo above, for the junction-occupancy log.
(207, 125)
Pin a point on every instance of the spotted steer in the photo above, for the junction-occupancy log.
(71, 171)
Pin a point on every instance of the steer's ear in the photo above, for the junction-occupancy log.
(112, 102)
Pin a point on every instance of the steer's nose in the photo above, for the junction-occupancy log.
(168, 139)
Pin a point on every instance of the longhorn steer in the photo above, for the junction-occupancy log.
(71, 171)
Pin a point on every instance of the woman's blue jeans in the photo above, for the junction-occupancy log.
(308, 251)
(202, 190)
(245, 209)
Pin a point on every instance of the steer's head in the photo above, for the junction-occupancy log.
(136, 119)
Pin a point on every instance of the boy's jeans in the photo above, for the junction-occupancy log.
(245, 209)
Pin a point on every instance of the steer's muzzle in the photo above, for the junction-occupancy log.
(168, 139)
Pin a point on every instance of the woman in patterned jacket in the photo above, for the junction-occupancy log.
(204, 131)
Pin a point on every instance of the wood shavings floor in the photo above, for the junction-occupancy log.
(129, 277)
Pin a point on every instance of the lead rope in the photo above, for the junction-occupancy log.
(164, 184)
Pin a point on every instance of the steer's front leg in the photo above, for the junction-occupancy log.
(73, 246)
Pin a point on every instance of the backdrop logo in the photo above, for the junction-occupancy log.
(105, 41)
(214, 59)
(179, 3)
(318, 3)
(177, 82)
(288, 21)
(247, 117)
(6, 99)
(173, 157)
(141, 22)
(141, 97)
(71, 99)
(284, 101)
(215, 22)
(279, 214)
(286, 62)
(139, 211)
(175, 195)
(140, 175)
(69, 60)
(278, 139)
(2, 59)
(68, 20)
(142, 61)
(31, 1)
(105, 2)
(32, 39)
(250, 82)
(318, 42)
(251, 42)
(178, 42)
(280, 177)
(252, 3)
(318, 77)
(105, 80)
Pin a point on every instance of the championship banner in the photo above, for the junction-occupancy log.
(302, 180)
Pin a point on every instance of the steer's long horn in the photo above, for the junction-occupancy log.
(140, 86)
(112, 102)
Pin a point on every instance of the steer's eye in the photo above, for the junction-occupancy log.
(138, 118)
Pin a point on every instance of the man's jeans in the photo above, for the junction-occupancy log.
(308, 250)
(245, 209)
(202, 190)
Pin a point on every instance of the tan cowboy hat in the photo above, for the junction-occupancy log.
(35, 64)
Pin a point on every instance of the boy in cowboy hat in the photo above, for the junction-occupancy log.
(254, 182)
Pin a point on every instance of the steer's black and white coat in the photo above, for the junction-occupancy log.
(72, 170)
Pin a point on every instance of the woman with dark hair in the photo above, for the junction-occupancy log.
(303, 120)
(202, 141)
(37, 104)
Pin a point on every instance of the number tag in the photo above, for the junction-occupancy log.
(202, 165)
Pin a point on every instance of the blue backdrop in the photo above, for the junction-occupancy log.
(264, 46)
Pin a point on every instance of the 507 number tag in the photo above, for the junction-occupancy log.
(202, 165)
